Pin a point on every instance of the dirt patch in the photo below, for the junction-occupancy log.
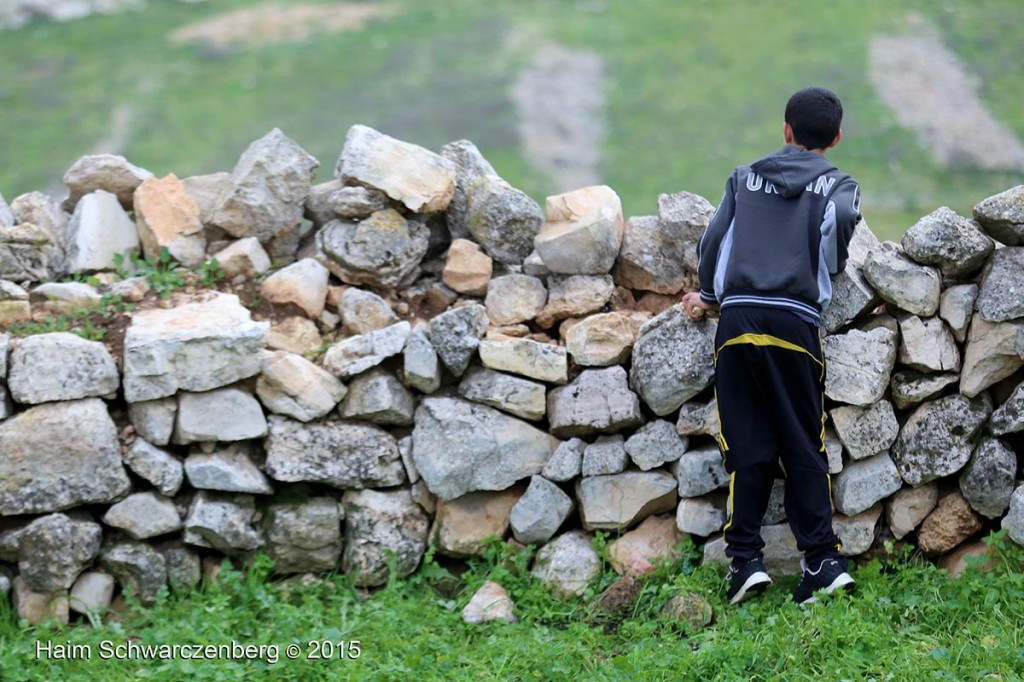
(560, 99)
(271, 23)
(931, 92)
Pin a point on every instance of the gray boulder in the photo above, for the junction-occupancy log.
(902, 282)
(184, 567)
(527, 358)
(954, 244)
(936, 439)
(859, 365)
(455, 335)
(574, 296)
(108, 172)
(382, 251)
(598, 401)
(1001, 297)
(421, 369)
(364, 311)
(144, 515)
(927, 345)
(229, 470)
(911, 388)
(515, 395)
(221, 415)
(200, 345)
(60, 455)
(60, 366)
(304, 536)
(858, 532)
(567, 565)
(606, 455)
(338, 453)
(866, 431)
(1002, 216)
(905, 510)
(566, 462)
(29, 253)
(162, 469)
(852, 295)
(540, 512)
(956, 305)
(863, 483)
(138, 567)
(154, 419)
(470, 165)
(512, 299)
(357, 354)
(700, 471)
(1013, 522)
(54, 549)
(1009, 417)
(410, 174)
(6, 215)
(223, 522)
(673, 360)
(502, 219)
(459, 447)
(270, 184)
(383, 529)
(618, 501)
(988, 479)
(654, 444)
(995, 350)
(379, 397)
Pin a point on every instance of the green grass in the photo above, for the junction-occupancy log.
(694, 88)
(907, 621)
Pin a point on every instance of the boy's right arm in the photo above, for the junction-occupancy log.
(710, 242)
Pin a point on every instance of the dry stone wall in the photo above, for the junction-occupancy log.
(415, 353)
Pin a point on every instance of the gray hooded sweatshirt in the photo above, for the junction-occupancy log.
(780, 232)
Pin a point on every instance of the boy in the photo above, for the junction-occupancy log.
(781, 230)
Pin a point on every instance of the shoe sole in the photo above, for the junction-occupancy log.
(843, 581)
(756, 584)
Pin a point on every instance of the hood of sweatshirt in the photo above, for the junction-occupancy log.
(791, 169)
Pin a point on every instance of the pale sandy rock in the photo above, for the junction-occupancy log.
(905, 510)
(295, 387)
(993, 353)
(168, 218)
(244, 256)
(583, 231)
(859, 365)
(92, 593)
(221, 415)
(620, 500)
(202, 344)
(902, 282)
(490, 602)
(956, 304)
(467, 268)
(144, 515)
(527, 358)
(67, 297)
(99, 230)
(927, 345)
(512, 299)
(418, 178)
(131, 290)
(303, 283)
(296, 334)
(463, 526)
(603, 339)
(574, 296)
(950, 523)
(651, 543)
(37, 608)
(206, 190)
(364, 311)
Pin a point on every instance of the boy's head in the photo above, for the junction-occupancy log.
(813, 119)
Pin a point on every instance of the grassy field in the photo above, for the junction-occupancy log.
(907, 621)
(692, 89)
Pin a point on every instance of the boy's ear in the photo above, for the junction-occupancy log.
(787, 134)
(839, 136)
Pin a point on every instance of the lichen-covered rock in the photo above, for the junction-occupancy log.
(60, 366)
(379, 397)
(136, 566)
(382, 251)
(1009, 418)
(987, 480)
(598, 401)
(502, 219)
(654, 444)
(54, 549)
(270, 184)
(1002, 216)
(700, 471)
(902, 282)
(852, 295)
(863, 483)
(304, 535)
(1001, 296)
(382, 529)
(673, 360)
(357, 354)
(60, 455)
(459, 447)
(866, 431)
(469, 164)
(566, 462)
(859, 365)
(205, 343)
(456, 334)
(420, 179)
(936, 439)
(223, 522)
(583, 231)
(954, 244)
(158, 466)
(338, 453)
(515, 395)
(857, 533)
(364, 311)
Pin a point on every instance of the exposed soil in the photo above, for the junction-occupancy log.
(270, 23)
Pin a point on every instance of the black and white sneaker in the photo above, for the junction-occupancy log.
(747, 580)
(829, 576)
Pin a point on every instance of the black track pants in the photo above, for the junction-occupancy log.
(769, 381)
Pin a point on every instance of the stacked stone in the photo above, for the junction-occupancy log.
(458, 365)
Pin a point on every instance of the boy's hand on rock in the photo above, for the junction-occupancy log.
(695, 307)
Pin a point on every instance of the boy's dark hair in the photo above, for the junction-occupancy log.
(815, 115)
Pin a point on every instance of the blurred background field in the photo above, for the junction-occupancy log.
(647, 96)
